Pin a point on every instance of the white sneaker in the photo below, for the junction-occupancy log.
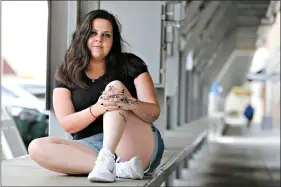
(105, 169)
(131, 169)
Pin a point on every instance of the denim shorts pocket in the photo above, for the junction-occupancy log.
(94, 142)
(160, 151)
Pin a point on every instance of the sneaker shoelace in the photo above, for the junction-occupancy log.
(122, 170)
(118, 160)
(104, 160)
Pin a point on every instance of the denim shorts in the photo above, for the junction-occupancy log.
(95, 143)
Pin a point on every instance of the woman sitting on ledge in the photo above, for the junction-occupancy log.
(105, 99)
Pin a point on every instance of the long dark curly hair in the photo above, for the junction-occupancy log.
(78, 55)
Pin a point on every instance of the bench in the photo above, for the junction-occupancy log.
(180, 147)
(235, 126)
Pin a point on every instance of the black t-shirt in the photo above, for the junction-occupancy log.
(82, 98)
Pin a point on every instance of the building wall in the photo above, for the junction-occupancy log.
(273, 46)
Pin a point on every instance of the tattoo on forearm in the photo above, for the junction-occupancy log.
(113, 96)
(129, 101)
(121, 114)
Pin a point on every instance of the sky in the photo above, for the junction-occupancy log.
(24, 36)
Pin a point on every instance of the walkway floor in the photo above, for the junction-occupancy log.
(249, 159)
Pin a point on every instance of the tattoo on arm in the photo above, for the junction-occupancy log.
(124, 99)
(121, 114)
(113, 96)
(129, 101)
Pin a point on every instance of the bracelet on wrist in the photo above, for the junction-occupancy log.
(92, 112)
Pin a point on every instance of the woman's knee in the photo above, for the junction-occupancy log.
(39, 146)
(116, 84)
(119, 85)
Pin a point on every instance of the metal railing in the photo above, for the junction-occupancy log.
(166, 170)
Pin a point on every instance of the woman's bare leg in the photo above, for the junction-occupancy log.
(126, 134)
(63, 156)
(133, 138)
(137, 140)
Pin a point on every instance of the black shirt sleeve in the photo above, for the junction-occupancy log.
(137, 65)
(58, 84)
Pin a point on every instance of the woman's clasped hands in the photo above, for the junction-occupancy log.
(114, 99)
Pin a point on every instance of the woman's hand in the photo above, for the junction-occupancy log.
(113, 99)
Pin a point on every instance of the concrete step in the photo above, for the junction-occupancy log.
(270, 152)
(246, 162)
(234, 147)
(221, 164)
(258, 176)
(238, 154)
(214, 182)
(232, 165)
(247, 157)
(235, 166)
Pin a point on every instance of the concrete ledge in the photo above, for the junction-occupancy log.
(171, 165)
(23, 171)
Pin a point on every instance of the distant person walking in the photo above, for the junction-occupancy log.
(249, 114)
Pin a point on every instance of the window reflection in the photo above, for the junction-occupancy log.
(23, 76)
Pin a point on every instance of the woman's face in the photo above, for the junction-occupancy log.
(101, 38)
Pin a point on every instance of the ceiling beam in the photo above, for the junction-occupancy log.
(204, 17)
(221, 13)
(191, 11)
(211, 70)
(241, 5)
(247, 20)
(252, 12)
(221, 30)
